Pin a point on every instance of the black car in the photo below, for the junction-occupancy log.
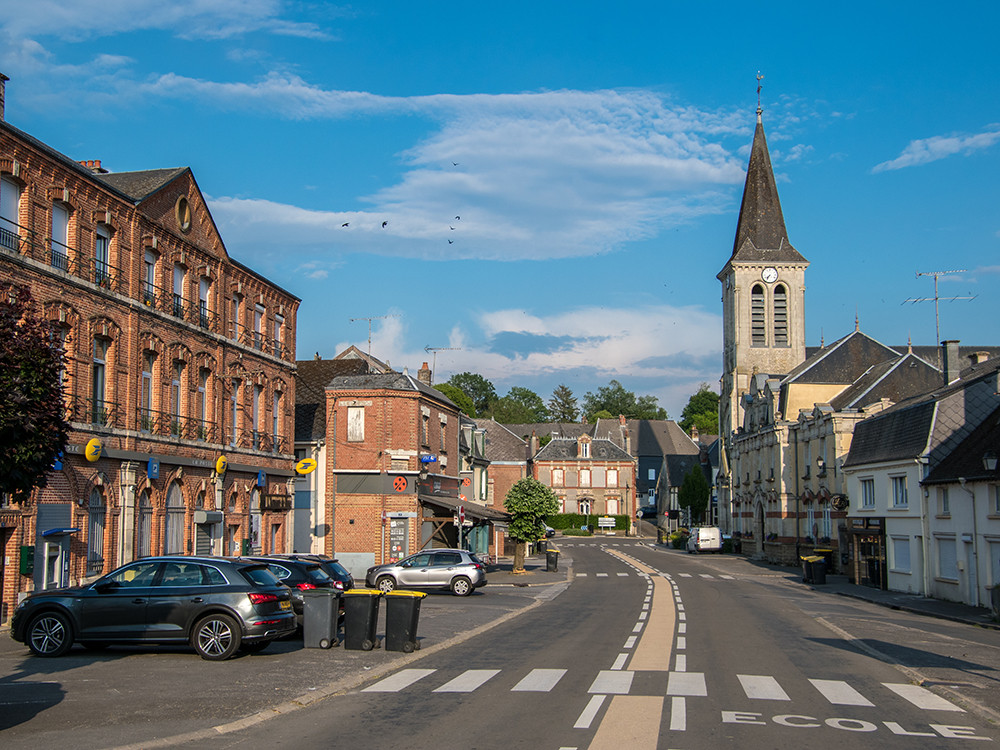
(342, 578)
(298, 576)
(218, 605)
(648, 512)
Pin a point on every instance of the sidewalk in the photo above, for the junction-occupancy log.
(502, 573)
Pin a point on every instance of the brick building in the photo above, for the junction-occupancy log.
(394, 469)
(176, 356)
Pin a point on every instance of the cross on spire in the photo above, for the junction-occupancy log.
(759, 87)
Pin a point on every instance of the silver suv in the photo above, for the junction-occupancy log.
(454, 569)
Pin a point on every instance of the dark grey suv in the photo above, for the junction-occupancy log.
(218, 605)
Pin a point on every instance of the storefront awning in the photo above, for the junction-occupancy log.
(472, 510)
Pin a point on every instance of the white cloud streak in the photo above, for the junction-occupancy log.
(927, 150)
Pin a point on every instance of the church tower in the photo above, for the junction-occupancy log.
(763, 291)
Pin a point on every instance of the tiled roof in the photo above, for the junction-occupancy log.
(311, 379)
(141, 184)
(501, 443)
(966, 459)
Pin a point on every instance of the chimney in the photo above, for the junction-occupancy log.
(628, 442)
(694, 433)
(949, 361)
(979, 357)
(94, 165)
(424, 374)
(533, 445)
(3, 87)
(621, 419)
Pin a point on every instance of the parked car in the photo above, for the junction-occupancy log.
(218, 605)
(549, 532)
(298, 576)
(454, 569)
(342, 578)
(647, 511)
(705, 539)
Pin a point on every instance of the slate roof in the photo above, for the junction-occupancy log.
(562, 429)
(311, 378)
(966, 459)
(388, 381)
(679, 466)
(760, 232)
(649, 437)
(502, 445)
(141, 184)
(894, 435)
(894, 380)
(844, 361)
(564, 449)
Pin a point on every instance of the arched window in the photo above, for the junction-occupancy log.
(780, 316)
(758, 323)
(173, 528)
(144, 528)
(96, 514)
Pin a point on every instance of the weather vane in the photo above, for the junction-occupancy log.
(759, 86)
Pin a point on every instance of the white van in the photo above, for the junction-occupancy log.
(705, 539)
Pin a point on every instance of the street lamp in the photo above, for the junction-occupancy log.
(990, 461)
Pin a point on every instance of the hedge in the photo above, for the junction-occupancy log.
(563, 521)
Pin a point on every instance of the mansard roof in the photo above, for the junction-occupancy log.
(565, 449)
(966, 459)
(760, 232)
(893, 435)
(141, 184)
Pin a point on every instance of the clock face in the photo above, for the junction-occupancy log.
(769, 274)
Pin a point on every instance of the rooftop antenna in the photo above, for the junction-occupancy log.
(370, 319)
(935, 299)
(435, 350)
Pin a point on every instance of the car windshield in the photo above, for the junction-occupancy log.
(259, 575)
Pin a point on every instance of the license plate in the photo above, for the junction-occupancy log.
(286, 604)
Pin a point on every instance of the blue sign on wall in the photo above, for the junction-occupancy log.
(261, 479)
(153, 468)
(428, 459)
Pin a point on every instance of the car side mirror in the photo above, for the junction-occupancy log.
(104, 586)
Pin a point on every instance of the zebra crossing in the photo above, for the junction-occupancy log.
(711, 576)
(686, 684)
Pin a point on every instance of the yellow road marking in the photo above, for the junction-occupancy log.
(631, 721)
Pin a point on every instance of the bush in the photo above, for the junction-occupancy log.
(563, 521)
(575, 532)
(678, 539)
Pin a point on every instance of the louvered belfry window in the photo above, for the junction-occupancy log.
(780, 316)
(758, 322)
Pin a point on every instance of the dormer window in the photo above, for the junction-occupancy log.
(584, 447)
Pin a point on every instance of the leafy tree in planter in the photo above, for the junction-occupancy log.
(33, 428)
(694, 493)
(529, 502)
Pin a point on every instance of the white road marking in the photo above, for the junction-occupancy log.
(762, 688)
(680, 663)
(705, 575)
(682, 627)
(539, 681)
(468, 681)
(620, 662)
(685, 575)
(623, 575)
(682, 642)
(678, 714)
(581, 575)
(728, 578)
(642, 615)
(395, 683)
(608, 682)
(637, 628)
(590, 712)
(602, 575)
(922, 697)
(630, 641)
(687, 683)
(840, 693)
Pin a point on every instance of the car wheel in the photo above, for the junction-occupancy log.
(385, 584)
(216, 637)
(461, 586)
(254, 648)
(50, 634)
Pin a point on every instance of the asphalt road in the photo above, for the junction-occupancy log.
(644, 648)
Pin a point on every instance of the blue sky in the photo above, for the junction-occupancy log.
(561, 180)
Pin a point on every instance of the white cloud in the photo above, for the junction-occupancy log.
(206, 19)
(926, 150)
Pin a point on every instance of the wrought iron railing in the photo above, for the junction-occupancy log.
(261, 441)
(172, 425)
(97, 412)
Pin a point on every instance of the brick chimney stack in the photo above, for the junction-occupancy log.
(3, 88)
(950, 365)
(424, 374)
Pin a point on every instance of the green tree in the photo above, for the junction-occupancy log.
(459, 397)
(616, 400)
(562, 405)
(519, 406)
(33, 429)
(702, 411)
(529, 502)
(476, 387)
(694, 493)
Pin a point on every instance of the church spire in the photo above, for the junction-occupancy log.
(760, 231)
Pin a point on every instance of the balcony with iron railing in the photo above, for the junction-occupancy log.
(96, 412)
(164, 424)
(260, 441)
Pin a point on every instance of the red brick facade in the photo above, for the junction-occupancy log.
(174, 352)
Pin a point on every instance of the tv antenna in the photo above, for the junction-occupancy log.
(936, 298)
(435, 350)
(370, 319)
